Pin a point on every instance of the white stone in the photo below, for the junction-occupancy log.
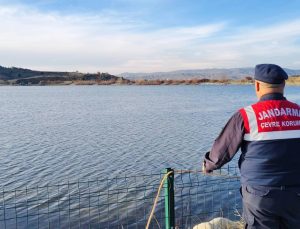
(219, 223)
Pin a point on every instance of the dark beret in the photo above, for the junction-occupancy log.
(270, 73)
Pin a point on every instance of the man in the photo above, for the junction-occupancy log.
(268, 134)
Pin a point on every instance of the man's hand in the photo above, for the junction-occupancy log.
(204, 170)
(203, 167)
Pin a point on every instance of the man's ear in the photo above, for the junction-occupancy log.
(257, 86)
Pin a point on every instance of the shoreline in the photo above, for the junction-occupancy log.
(292, 81)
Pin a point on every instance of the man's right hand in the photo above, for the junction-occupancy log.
(203, 167)
(204, 170)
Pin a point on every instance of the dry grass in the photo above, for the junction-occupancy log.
(193, 81)
(84, 82)
(4, 82)
(293, 80)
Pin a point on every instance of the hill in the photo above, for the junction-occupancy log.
(21, 76)
(214, 73)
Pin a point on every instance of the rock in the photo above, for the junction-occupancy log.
(219, 223)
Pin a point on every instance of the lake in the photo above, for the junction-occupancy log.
(60, 134)
(75, 132)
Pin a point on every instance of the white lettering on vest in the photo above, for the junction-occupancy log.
(278, 112)
(283, 112)
(271, 113)
(260, 117)
(269, 124)
(265, 114)
(290, 123)
(295, 112)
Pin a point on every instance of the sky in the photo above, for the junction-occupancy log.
(119, 36)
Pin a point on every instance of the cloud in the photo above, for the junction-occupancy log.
(117, 43)
(275, 43)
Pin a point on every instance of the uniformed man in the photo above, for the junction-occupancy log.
(268, 133)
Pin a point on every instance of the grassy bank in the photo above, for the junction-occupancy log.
(293, 80)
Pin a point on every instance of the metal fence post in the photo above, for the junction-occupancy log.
(169, 200)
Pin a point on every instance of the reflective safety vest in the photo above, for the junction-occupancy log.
(270, 120)
(271, 147)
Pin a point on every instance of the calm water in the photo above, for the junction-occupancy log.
(51, 135)
(54, 134)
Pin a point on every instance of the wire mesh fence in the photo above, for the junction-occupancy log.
(200, 198)
(121, 202)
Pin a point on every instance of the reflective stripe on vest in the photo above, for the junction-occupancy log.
(271, 120)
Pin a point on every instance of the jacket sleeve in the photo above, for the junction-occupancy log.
(226, 145)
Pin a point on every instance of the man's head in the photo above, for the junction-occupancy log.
(269, 78)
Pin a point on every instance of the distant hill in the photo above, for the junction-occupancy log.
(213, 73)
(21, 73)
(21, 76)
